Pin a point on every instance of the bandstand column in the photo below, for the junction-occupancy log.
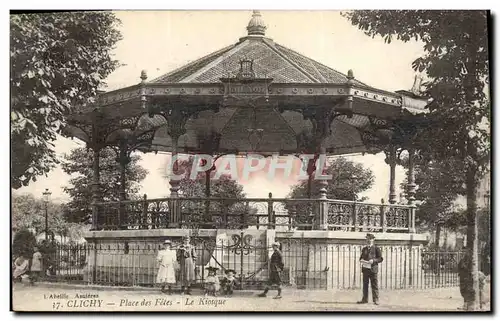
(175, 218)
(124, 160)
(208, 218)
(311, 168)
(322, 223)
(95, 188)
(174, 182)
(96, 177)
(176, 120)
(411, 188)
(392, 179)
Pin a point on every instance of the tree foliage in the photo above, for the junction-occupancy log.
(223, 187)
(79, 164)
(58, 61)
(23, 243)
(439, 185)
(456, 64)
(28, 212)
(349, 179)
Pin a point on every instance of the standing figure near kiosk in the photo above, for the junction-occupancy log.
(166, 271)
(186, 256)
(276, 266)
(371, 256)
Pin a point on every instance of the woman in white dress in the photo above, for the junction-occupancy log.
(167, 261)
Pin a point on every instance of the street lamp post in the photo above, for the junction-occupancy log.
(46, 198)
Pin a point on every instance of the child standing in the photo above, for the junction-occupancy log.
(167, 259)
(36, 266)
(229, 282)
(212, 284)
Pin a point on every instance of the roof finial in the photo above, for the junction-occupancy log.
(256, 26)
(144, 76)
(350, 77)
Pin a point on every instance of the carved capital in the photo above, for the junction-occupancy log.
(176, 118)
(99, 128)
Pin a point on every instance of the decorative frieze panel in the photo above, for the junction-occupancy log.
(374, 96)
(252, 88)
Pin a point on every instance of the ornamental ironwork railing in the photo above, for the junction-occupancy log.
(259, 213)
(309, 264)
(353, 216)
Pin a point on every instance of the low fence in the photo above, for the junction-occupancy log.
(262, 213)
(307, 265)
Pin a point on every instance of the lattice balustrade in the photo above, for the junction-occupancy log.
(340, 216)
(397, 218)
(368, 217)
(259, 213)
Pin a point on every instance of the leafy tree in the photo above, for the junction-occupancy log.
(28, 212)
(206, 213)
(349, 179)
(23, 243)
(58, 61)
(224, 187)
(79, 164)
(456, 64)
(439, 185)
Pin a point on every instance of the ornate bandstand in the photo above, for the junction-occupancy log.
(252, 97)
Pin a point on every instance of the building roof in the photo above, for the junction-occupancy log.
(271, 60)
(228, 81)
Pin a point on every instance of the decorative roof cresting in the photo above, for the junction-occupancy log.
(256, 26)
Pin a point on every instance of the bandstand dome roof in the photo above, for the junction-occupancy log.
(294, 81)
(271, 60)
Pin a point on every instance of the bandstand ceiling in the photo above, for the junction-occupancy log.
(292, 82)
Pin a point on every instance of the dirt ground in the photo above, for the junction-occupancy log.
(71, 298)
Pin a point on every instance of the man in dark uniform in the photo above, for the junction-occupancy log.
(371, 256)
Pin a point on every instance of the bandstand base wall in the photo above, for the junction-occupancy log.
(313, 259)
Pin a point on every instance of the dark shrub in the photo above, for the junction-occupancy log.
(23, 244)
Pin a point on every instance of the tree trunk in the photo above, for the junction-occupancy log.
(472, 237)
(438, 235)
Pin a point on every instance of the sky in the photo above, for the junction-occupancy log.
(160, 41)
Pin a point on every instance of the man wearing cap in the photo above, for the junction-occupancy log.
(276, 266)
(371, 256)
